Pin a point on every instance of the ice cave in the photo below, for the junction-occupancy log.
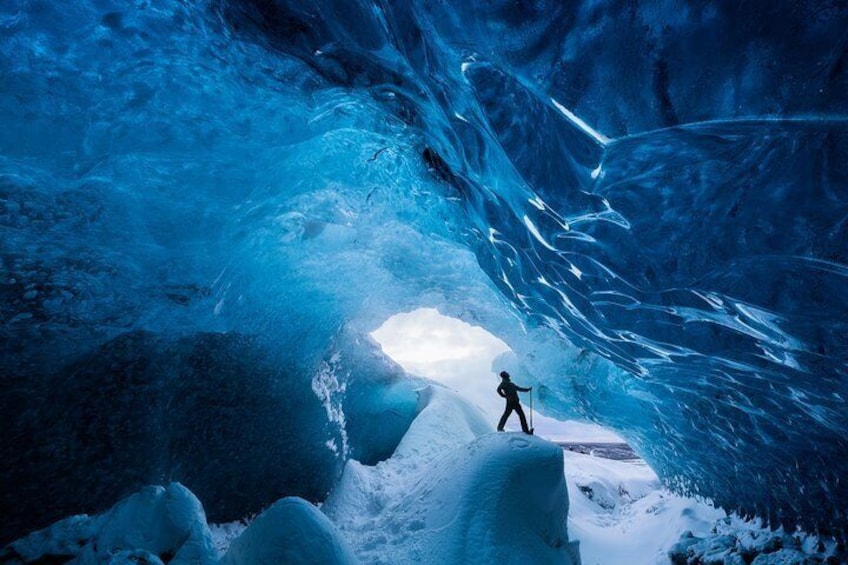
(209, 207)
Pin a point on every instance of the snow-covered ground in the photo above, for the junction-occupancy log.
(621, 515)
(454, 491)
(626, 519)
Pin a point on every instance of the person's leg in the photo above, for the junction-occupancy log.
(523, 419)
(507, 412)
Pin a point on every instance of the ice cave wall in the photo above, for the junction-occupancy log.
(232, 191)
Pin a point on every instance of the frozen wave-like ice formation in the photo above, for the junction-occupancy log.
(647, 202)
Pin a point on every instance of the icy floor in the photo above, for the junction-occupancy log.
(623, 516)
(619, 513)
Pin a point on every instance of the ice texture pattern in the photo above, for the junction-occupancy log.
(645, 200)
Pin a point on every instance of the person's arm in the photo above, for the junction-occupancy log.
(501, 391)
(522, 389)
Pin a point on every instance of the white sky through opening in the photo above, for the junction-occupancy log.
(460, 356)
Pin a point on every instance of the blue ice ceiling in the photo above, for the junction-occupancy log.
(205, 205)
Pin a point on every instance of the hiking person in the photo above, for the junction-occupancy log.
(509, 390)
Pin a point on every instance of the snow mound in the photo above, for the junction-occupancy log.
(622, 514)
(456, 492)
(291, 531)
(155, 525)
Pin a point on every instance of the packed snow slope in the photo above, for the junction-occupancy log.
(205, 206)
(456, 491)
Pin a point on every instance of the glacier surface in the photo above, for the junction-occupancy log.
(205, 207)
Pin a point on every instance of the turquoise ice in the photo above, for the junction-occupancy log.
(206, 207)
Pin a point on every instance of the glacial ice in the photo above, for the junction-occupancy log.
(155, 525)
(206, 207)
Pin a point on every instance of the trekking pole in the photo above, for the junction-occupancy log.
(532, 429)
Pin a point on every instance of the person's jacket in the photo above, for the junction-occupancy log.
(509, 390)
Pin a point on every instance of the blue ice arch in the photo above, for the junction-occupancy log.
(205, 206)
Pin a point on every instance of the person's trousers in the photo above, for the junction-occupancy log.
(510, 406)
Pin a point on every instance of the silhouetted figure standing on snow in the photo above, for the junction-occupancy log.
(509, 390)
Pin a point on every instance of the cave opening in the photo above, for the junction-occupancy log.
(467, 359)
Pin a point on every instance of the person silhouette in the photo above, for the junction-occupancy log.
(509, 390)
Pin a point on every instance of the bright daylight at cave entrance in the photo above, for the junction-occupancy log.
(467, 359)
(262, 262)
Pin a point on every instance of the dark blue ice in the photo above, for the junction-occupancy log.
(205, 207)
